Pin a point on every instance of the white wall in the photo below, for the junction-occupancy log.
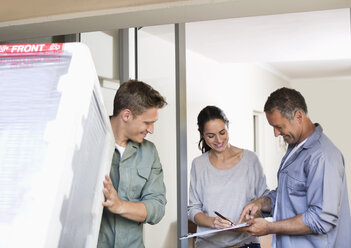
(103, 49)
(156, 66)
(328, 102)
(271, 149)
(238, 89)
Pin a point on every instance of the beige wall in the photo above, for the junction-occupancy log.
(22, 9)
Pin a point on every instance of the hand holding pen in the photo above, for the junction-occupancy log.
(222, 222)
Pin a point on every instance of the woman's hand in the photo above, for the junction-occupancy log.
(202, 219)
(219, 223)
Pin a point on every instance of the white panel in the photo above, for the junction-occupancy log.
(56, 144)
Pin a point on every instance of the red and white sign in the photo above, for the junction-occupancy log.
(33, 49)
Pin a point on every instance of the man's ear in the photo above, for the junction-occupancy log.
(299, 115)
(126, 114)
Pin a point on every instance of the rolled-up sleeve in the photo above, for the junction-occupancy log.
(272, 195)
(195, 203)
(154, 193)
(324, 187)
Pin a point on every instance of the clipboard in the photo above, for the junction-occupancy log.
(191, 235)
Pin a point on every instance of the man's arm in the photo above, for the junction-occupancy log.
(153, 194)
(292, 226)
(135, 211)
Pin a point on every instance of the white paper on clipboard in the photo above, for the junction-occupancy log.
(191, 235)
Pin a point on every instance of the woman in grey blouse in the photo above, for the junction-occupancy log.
(223, 179)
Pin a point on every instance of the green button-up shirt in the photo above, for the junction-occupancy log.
(137, 177)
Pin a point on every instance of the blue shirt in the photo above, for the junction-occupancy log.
(313, 183)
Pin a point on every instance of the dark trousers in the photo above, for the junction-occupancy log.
(252, 245)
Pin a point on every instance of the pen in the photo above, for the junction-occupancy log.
(224, 218)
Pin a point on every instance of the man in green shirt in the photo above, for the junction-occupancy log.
(134, 191)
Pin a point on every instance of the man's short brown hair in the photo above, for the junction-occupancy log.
(137, 96)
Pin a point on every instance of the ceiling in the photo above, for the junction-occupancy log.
(23, 19)
(296, 45)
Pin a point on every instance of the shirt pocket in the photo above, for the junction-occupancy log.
(296, 187)
(138, 183)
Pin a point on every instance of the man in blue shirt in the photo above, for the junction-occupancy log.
(310, 206)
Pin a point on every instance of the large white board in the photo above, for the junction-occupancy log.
(56, 145)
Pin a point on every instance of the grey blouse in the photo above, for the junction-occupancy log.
(224, 191)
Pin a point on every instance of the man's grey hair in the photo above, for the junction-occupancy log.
(287, 101)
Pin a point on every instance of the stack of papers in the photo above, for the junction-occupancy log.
(191, 235)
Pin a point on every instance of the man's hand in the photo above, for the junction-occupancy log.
(257, 227)
(291, 226)
(135, 211)
(254, 209)
(113, 203)
(250, 211)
